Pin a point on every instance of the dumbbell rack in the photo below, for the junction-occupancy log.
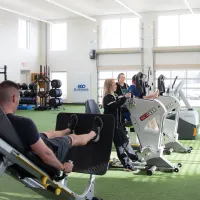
(27, 100)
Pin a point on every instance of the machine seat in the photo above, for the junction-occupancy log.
(9, 135)
(91, 107)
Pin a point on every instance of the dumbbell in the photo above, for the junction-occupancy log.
(26, 93)
(24, 86)
(31, 86)
(32, 93)
(21, 94)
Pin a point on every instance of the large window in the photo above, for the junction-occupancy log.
(120, 33)
(24, 34)
(178, 30)
(103, 75)
(58, 37)
(191, 88)
(62, 76)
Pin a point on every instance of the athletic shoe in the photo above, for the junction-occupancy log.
(130, 167)
(73, 121)
(97, 127)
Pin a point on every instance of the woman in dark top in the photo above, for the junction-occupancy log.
(112, 105)
(122, 87)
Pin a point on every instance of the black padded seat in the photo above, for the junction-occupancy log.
(10, 136)
(91, 107)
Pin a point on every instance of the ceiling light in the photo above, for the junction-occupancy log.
(128, 8)
(188, 5)
(66, 8)
(16, 12)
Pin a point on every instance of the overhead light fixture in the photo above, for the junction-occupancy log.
(18, 13)
(188, 5)
(66, 8)
(128, 8)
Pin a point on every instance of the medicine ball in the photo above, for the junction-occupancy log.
(60, 101)
(24, 86)
(55, 92)
(56, 83)
(26, 93)
(55, 102)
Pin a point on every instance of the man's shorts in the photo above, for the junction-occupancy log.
(60, 146)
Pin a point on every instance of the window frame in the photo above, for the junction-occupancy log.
(179, 30)
(28, 34)
(186, 87)
(120, 32)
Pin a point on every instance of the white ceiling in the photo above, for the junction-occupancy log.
(45, 10)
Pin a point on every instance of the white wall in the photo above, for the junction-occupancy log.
(11, 55)
(76, 59)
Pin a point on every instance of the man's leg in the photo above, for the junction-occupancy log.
(94, 135)
(54, 134)
(79, 140)
(73, 121)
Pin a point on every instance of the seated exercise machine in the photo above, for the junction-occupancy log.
(170, 137)
(27, 168)
(151, 148)
(188, 121)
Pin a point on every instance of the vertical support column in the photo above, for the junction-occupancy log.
(97, 64)
(148, 45)
(142, 44)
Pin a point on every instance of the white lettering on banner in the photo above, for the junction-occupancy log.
(81, 88)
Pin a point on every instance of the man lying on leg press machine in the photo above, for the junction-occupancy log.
(52, 147)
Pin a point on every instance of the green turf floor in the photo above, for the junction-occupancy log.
(118, 185)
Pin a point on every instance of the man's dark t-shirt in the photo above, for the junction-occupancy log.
(29, 135)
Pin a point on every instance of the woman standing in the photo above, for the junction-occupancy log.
(122, 87)
(112, 105)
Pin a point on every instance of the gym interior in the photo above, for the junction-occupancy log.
(60, 52)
